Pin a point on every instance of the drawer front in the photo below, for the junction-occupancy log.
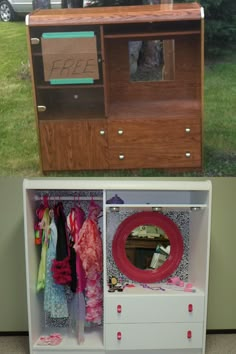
(174, 155)
(155, 143)
(153, 336)
(147, 309)
(165, 131)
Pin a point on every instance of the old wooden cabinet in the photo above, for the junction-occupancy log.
(143, 108)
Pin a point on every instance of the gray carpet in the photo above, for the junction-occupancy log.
(216, 344)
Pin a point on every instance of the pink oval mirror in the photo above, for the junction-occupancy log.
(166, 246)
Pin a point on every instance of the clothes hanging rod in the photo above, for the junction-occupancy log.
(57, 198)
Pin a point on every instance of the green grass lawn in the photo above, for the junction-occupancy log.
(18, 143)
(18, 140)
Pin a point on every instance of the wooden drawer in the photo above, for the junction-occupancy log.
(164, 132)
(157, 143)
(153, 336)
(73, 145)
(173, 155)
(147, 309)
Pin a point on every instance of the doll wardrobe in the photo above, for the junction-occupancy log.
(109, 80)
(142, 280)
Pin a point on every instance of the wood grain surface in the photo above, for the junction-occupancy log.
(117, 14)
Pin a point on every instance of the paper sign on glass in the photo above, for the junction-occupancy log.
(69, 55)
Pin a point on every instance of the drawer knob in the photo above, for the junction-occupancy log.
(190, 308)
(119, 336)
(102, 132)
(119, 309)
(121, 157)
(120, 132)
(41, 108)
(34, 41)
(188, 154)
(189, 334)
(188, 130)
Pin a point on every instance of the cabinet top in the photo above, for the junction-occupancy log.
(116, 14)
(95, 183)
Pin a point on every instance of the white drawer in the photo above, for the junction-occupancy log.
(153, 336)
(159, 308)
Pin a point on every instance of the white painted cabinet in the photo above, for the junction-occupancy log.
(144, 317)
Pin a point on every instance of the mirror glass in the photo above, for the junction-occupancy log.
(147, 247)
(152, 60)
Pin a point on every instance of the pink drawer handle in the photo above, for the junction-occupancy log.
(190, 308)
(189, 334)
(119, 308)
(119, 335)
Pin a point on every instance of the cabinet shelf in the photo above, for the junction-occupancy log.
(93, 340)
(138, 290)
(151, 35)
(149, 207)
(69, 87)
(75, 115)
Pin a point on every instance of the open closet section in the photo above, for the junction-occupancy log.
(117, 265)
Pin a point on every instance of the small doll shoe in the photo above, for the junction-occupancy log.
(53, 339)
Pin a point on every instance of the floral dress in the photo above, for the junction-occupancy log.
(55, 302)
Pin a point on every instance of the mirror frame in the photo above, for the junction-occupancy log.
(125, 229)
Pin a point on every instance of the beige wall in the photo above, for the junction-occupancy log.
(222, 289)
(222, 280)
(13, 310)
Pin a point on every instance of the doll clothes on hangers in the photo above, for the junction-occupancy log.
(75, 220)
(55, 302)
(61, 264)
(89, 246)
(44, 226)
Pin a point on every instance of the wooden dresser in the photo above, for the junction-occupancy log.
(118, 87)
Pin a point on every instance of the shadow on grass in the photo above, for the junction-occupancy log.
(219, 163)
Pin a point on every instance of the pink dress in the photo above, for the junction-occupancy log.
(89, 246)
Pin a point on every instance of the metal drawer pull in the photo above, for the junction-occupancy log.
(120, 131)
(121, 157)
(188, 154)
(102, 132)
(188, 130)
(42, 108)
(34, 41)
